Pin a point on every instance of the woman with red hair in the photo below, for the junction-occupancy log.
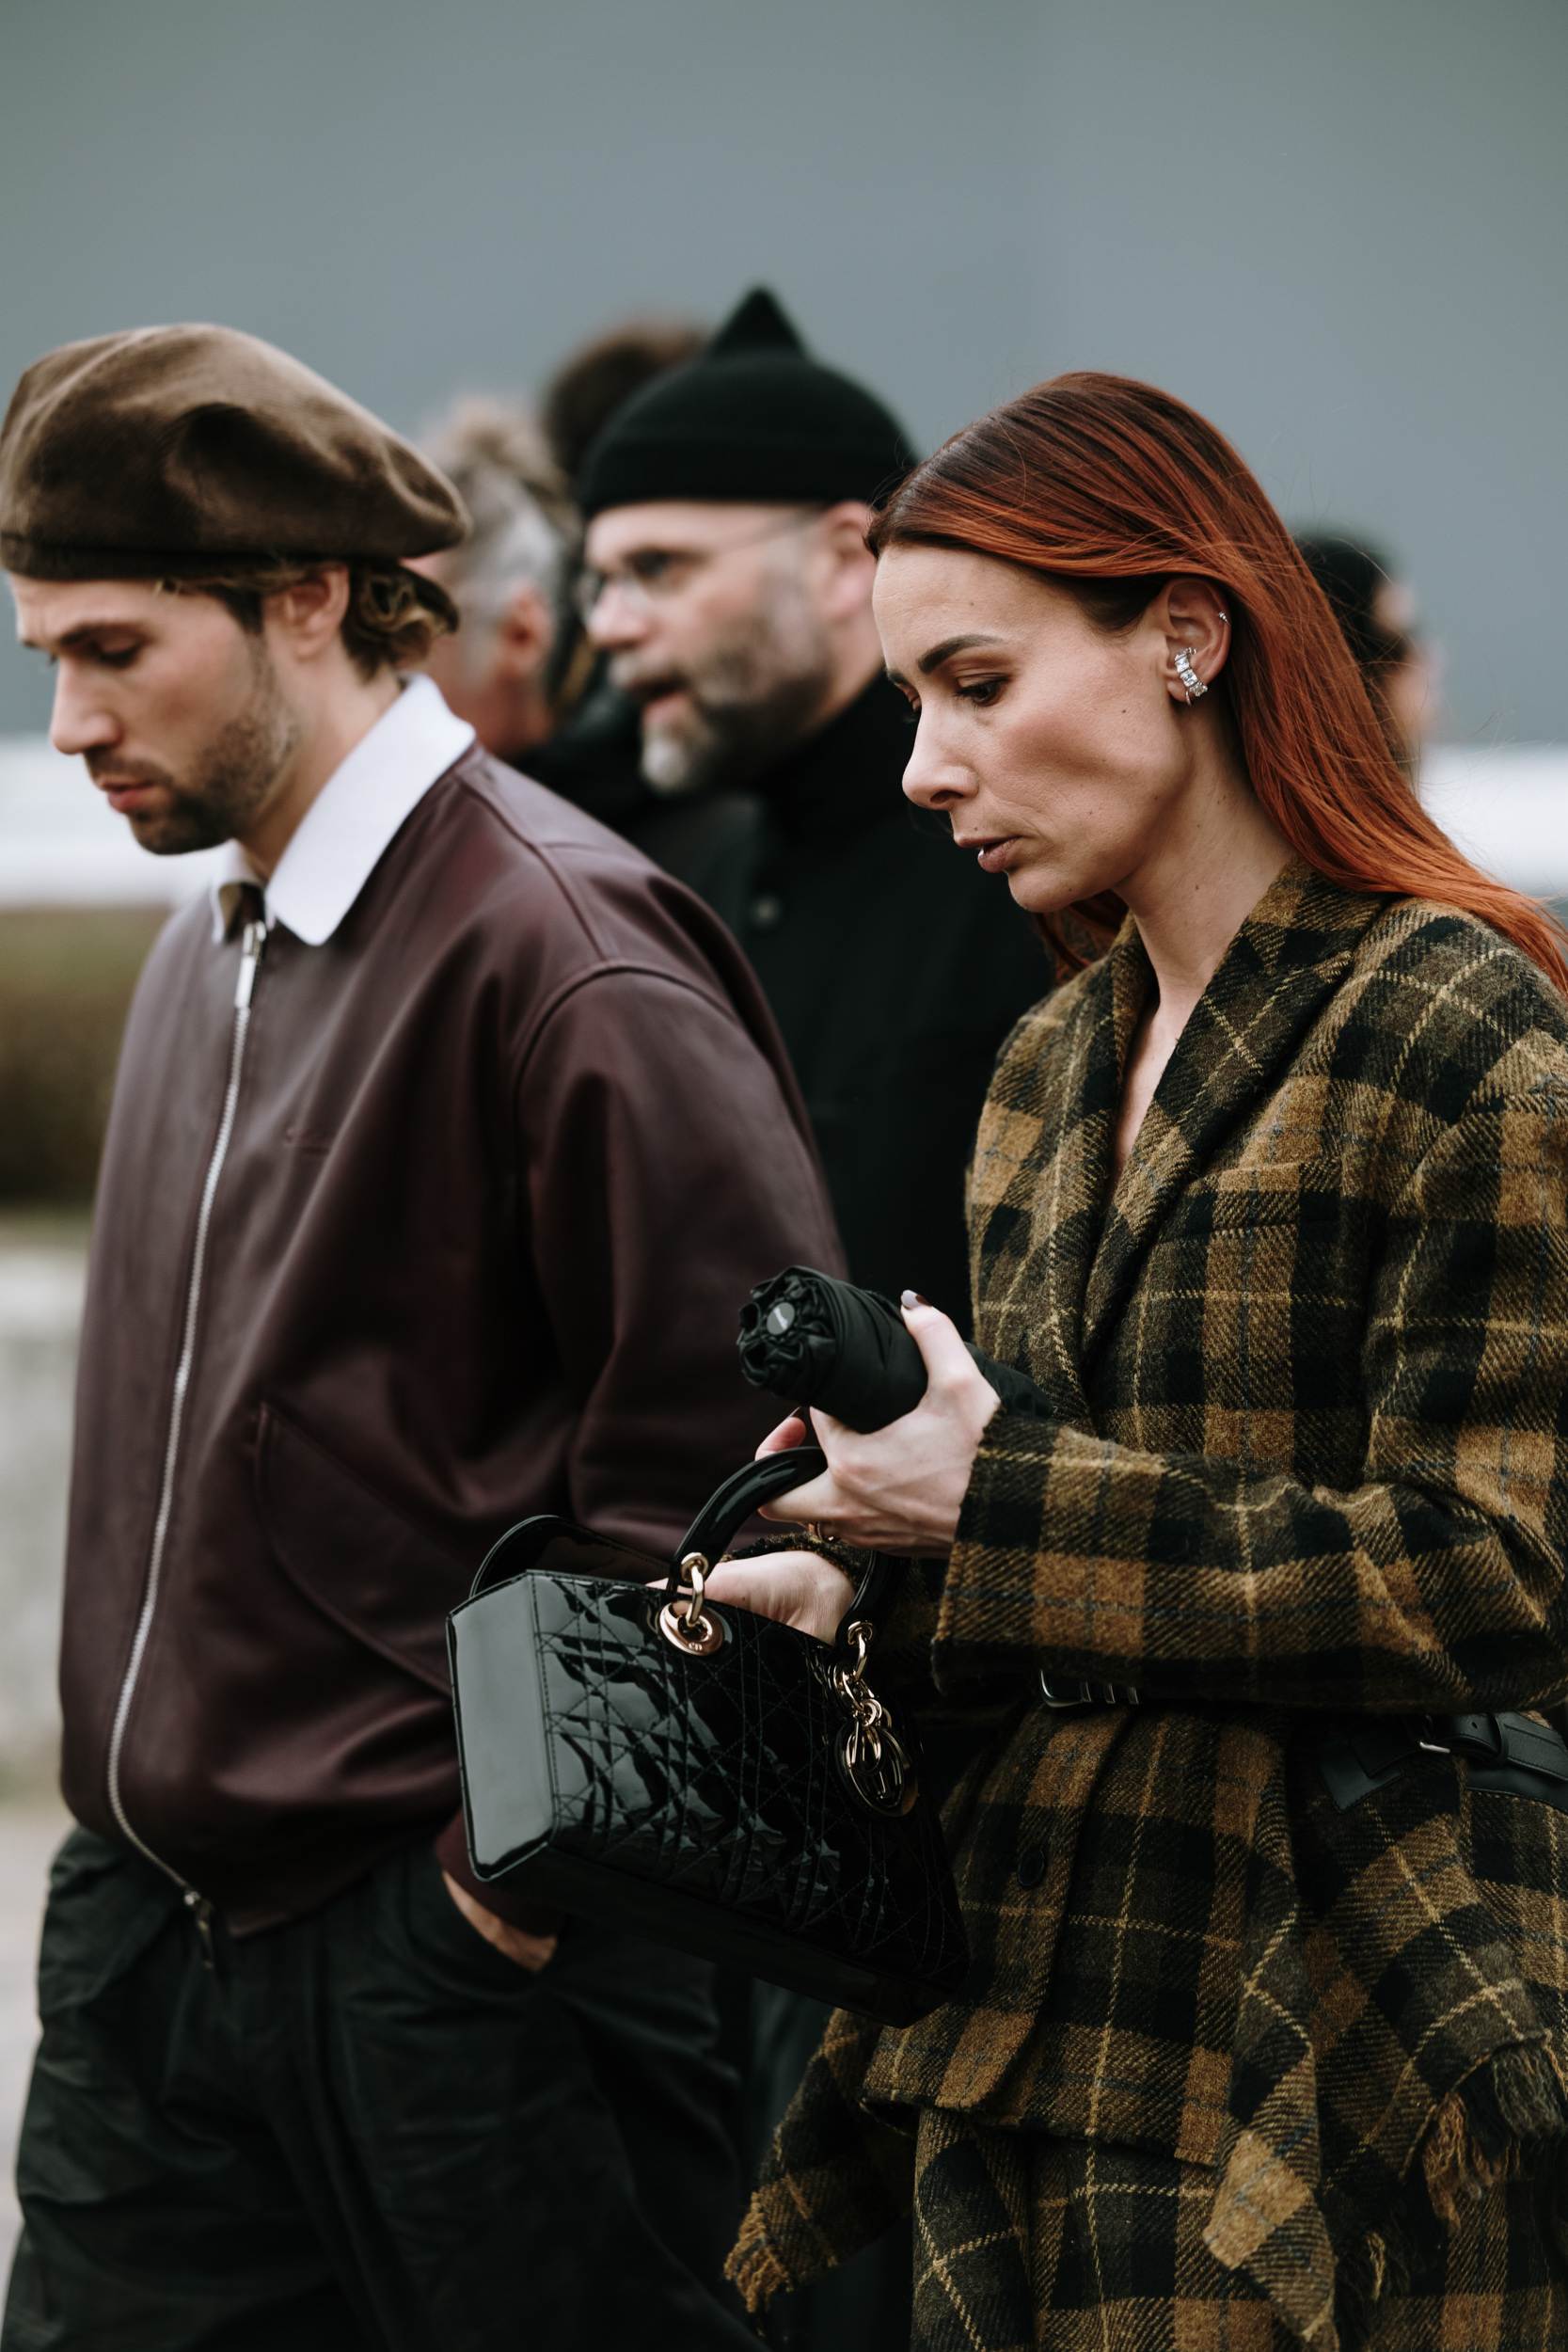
(1265, 1864)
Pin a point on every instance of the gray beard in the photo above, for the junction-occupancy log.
(236, 771)
(729, 743)
(751, 698)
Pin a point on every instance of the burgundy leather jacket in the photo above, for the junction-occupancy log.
(399, 1239)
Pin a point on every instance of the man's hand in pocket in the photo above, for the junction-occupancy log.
(528, 1951)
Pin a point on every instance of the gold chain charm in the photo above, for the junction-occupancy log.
(877, 1765)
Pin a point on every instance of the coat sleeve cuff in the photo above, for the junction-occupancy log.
(508, 1903)
(1048, 1567)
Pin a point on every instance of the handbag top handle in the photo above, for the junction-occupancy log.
(730, 1506)
(709, 1536)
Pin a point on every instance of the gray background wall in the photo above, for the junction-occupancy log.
(1337, 226)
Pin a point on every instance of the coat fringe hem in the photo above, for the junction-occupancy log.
(1508, 2119)
(753, 2266)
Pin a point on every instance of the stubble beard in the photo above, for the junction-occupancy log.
(230, 778)
(750, 701)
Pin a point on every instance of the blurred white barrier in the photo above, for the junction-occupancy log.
(62, 845)
(30, 1829)
(42, 1274)
(1507, 808)
(41, 1283)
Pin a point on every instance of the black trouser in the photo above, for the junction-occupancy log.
(367, 2131)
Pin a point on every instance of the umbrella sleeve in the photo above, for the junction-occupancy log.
(818, 1341)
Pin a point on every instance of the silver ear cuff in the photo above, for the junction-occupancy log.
(1188, 676)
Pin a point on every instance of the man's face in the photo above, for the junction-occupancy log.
(712, 618)
(175, 708)
(492, 671)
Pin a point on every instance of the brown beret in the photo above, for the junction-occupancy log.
(158, 453)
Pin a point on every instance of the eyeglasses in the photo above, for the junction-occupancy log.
(648, 575)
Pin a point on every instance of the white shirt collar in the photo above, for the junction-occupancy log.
(343, 834)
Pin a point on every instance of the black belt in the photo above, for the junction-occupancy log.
(1508, 1752)
(1065, 1691)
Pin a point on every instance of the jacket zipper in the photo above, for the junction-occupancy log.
(252, 943)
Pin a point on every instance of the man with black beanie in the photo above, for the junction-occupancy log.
(729, 581)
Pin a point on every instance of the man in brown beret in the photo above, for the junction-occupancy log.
(446, 1139)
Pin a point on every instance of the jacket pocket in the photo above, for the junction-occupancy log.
(353, 1555)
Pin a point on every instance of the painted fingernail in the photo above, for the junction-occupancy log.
(913, 1298)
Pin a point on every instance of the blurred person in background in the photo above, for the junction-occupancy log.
(518, 661)
(520, 670)
(447, 1137)
(729, 581)
(594, 757)
(588, 386)
(1376, 609)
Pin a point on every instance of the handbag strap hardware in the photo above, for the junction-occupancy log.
(849, 1681)
(879, 1581)
(877, 1765)
(683, 1621)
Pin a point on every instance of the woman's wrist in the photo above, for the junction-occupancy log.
(852, 1558)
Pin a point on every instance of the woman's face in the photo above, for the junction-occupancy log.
(1064, 756)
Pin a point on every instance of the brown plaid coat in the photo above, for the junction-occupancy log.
(1310, 1372)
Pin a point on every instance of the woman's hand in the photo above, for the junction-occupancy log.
(898, 1488)
(797, 1588)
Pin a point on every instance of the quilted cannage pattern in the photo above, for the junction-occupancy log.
(717, 1776)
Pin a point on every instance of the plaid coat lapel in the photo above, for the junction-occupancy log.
(1281, 969)
(1037, 1187)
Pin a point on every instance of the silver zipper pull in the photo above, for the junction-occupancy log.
(252, 939)
(201, 1912)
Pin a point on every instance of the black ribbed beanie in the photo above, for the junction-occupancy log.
(754, 417)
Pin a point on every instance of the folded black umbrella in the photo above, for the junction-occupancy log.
(818, 1341)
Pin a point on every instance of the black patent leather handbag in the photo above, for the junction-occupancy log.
(696, 1773)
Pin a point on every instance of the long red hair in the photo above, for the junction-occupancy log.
(1110, 488)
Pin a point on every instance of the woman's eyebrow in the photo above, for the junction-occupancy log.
(948, 647)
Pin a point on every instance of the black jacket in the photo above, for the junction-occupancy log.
(894, 966)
